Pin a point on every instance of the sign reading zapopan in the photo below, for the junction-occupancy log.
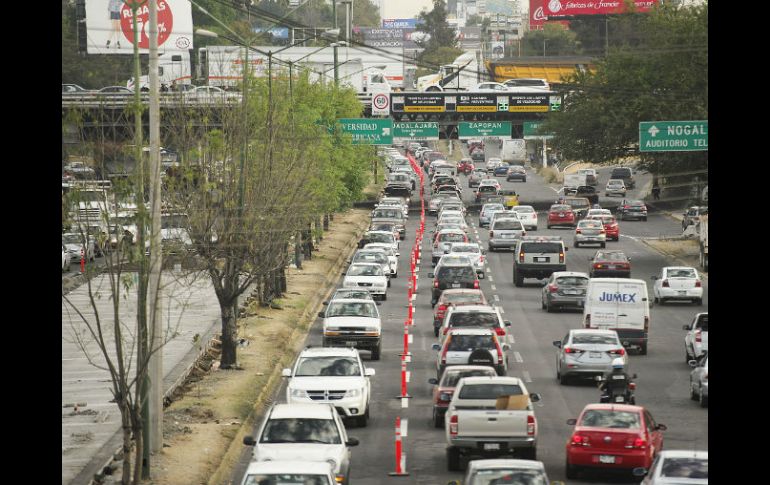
(560, 8)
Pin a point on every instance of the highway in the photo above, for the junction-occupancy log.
(662, 384)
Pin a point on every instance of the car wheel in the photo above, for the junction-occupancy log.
(655, 300)
(662, 301)
(549, 308)
(518, 280)
(703, 400)
(490, 248)
(572, 471)
(542, 303)
(643, 349)
(453, 459)
(388, 282)
(687, 356)
(525, 180)
(699, 301)
(604, 245)
(548, 226)
(693, 394)
(376, 351)
(363, 421)
(437, 421)
(644, 219)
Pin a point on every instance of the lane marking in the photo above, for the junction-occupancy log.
(502, 310)
(527, 378)
(518, 358)
(490, 279)
(497, 298)
(494, 288)
(510, 338)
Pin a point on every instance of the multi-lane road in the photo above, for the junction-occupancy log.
(662, 374)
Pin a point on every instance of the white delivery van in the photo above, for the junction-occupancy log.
(619, 304)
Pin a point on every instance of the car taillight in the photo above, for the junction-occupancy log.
(441, 309)
(632, 386)
(697, 284)
(435, 283)
(577, 231)
(561, 257)
(500, 331)
(476, 284)
(665, 284)
(481, 259)
(570, 350)
(698, 337)
(639, 443)
(579, 440)
(553, 288)
(598, 266)
(620, 351)
(530, 425)
(523, 233)
(521, 257)
(453, 425)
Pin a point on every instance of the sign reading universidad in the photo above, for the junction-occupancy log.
(368, 131)
(673, 136)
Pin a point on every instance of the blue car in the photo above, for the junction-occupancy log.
(502, 170)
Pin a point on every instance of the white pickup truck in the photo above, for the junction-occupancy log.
(696, 341)
(475, 426)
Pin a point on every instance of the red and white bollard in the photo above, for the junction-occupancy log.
(406, 355)
(400, 455)
(404, 394)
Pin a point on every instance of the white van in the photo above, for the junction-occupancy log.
(619, 304)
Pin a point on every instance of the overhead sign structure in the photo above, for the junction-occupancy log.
(109, 26)
(417, 130)
(436, 102)
(532, 131)
(673, 136)
(479, 129)
(368, 131)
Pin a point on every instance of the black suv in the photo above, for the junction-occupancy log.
(453, 276)
(625, 174)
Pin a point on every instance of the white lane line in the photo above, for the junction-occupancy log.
(497, 298)
(502, 310)
(491, 280)
(555, 190)
(518, 358)
(527, 378)
(494, 288)
(510, 337)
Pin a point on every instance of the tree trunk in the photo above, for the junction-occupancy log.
(318, 226)
(282, 276)
(307, 242)
(229, 337)
(326, 222)
(298, 250)
(139, 450)
(126, 479)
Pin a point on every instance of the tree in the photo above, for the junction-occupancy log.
(553, 40)
(441, 46)
(659, 73)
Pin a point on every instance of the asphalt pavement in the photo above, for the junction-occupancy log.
(663, 375)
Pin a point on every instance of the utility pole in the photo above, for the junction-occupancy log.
(155, 370)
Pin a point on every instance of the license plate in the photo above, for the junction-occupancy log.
(682, 292)
(542, 260)
(456, 285)
(595, 355)
(571, 292)
(580, 303)
(606, 459)
(350, 343)
(610, 266)
(506, 236)
(493, 446)
(619, 399)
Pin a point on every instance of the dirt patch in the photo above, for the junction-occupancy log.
(202, 423)
(578, 166)
(686, 251)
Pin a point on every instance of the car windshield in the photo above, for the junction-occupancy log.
(382, 238)
(474, 319)
(606, 418)
(681, 273)
(703, 322)
(594, 338)
(456, 272)
(387, 214)
(507, 225)
(350, 294)
(286, 479)
(301, 430)
(490, 391)
(71, 239)
(685, 468)
(459, 343)
(466, 249)
(487, 188)
(370, 257)
(572, 281)
(610, 256)
(507, 476)
(541, 247)
(328, 366)
(451, 378)
(352, 309)
(365, 270)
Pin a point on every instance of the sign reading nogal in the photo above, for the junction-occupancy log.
(368, 131)
(673, 136)
(478, 129)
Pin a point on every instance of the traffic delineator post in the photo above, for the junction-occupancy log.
(406, 352)
(400, 455)
(82, 261)
(404, 394)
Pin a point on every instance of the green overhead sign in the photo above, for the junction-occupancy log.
(415, 130)
(479, 129)
(673, 136)
(532, 131)
(368, 131)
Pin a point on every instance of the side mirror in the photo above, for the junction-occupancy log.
(398, 254)
(692, 363)
(437, 347)
(661, 427)
(377, 303)
(566, 248)
(534, 397)
(507, 323)
(633, 376)
(506, 347)
(322, 314)
(249, 441)
(653, 278)
(326, 302)
(639, 472)
(286, 373)
(369, 372)
(430, 275)
(686, 327)
(557, 343)
(572, 421)
(433, 381)
(351, 441)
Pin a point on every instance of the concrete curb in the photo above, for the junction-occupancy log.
(297, 337)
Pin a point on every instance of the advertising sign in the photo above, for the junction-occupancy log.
(277, 32)
(562, 8)
(368, 131)
(382, 37)
(498, 49)
(399, 23)
(109, 25)
(469, 38)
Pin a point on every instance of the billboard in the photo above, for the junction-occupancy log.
(537, 16)
(109, 25)
(561, 8)
(399, 23)
(277, 32)
(382, 37)
(469, 38)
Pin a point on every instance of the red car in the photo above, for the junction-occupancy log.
(465, 166)
(455, 297)
(610, 226)
(443, 390)
(561, 215)
(610, 264)
(612, 437)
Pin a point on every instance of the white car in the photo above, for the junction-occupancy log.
(384, 237)
(493, 182)
(74, 244)
(332, 375)
(527, 215)
(65, 258)
(296, 471)
(598, 212)
(307, 432)
(474, 252)
(696, 341)
(615, 187)
(369, 276)
(675, 467)
(353, 323)
(453, 219)
(388, 250)
(489, 86)
(374, 256)
(677, 283)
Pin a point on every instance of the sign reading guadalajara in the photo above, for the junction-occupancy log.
(562, 8)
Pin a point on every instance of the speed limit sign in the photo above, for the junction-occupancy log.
(381, 104)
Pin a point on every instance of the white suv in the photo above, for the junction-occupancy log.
(331, 375)
(353, 323)
(309, 432)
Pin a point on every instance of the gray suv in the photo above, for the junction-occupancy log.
(504, 232)
(538, 257)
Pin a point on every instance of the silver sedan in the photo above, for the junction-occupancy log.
(587, 353)
(590, 232)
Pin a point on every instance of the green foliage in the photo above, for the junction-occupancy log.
(435, 23)
(442, 55)
(558, 42)
(659, 73)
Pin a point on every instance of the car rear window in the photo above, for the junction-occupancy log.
(463, 298)
(301, 430)
(507, 225)
(571, 281)
(612, 256)
(465, 249)
(703, 323)
(685, 468)
(474, 319)
(459, 343)
(578, 203)
(489, 391)
(593, 338)
(451, 378)
(606, 418)
(541, 247)
(560, 208)
(454, 272)
(681, 273)
(487, 188)
(453, 237)
(621, 172)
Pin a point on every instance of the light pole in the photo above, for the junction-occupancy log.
(336, 71)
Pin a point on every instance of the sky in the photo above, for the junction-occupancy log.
(404, 9)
